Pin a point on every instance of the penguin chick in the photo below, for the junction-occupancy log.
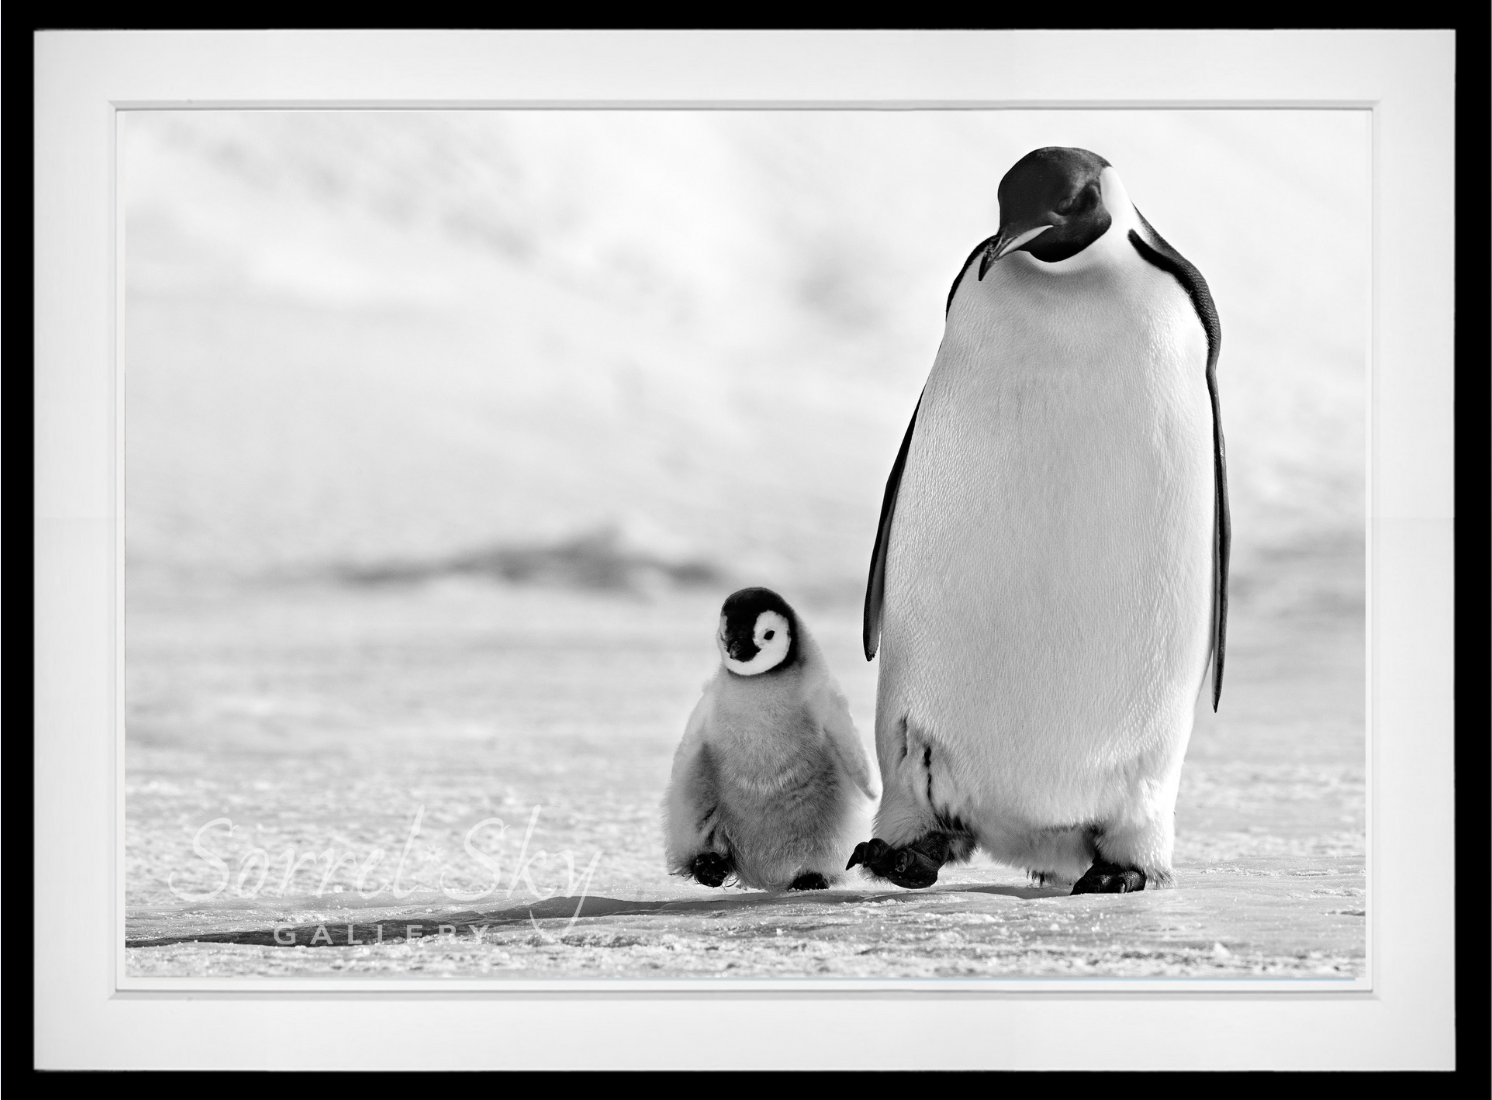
(771, 783)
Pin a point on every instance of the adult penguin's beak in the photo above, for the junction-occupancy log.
(1007, 242)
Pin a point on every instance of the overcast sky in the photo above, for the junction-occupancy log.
(358, 335)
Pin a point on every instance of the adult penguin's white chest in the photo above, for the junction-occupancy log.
(1049, 575)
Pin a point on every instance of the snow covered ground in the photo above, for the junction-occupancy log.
(325, 723)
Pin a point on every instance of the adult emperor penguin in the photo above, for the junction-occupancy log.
(1049, 583)
(771, 783)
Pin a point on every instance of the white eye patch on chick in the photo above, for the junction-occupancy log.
(749, 649)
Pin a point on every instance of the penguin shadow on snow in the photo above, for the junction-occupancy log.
(576, 911)
(737, 900)
(753, 899)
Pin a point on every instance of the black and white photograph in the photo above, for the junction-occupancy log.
(638, 547)
(798, 550)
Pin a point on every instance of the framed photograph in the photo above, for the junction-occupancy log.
(419, 399)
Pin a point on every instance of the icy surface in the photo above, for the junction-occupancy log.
(320, 719)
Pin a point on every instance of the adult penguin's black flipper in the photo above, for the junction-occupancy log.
(875, 588)
(1156, 251)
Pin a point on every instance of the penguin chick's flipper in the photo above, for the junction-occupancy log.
(875, 587)
(914, 867)
(711, 869)
(1109, 878)
(812, 880)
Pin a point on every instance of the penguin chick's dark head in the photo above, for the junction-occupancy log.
(1051, 205)
(758, 632)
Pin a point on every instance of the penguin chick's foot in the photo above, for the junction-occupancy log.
(812, 880)
(710, 869)
(913, 867)
(1109, 878)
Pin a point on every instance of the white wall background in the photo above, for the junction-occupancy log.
(356, 336)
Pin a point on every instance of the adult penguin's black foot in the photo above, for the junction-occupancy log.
(710, 869)
(810, 881)
(1109, 878)
(913, 867)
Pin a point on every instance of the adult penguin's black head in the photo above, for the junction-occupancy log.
(1051, 205)
(758, 632)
